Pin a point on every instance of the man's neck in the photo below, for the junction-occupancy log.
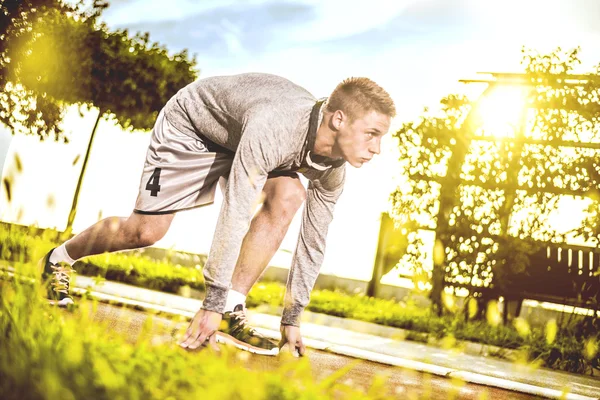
(325, 140)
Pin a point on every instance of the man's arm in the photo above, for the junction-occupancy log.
(256, 155)
(322, 195)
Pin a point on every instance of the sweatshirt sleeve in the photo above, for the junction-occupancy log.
(256, 155)
(322, 195)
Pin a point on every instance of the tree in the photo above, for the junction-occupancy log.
(74, 60)
(488, 190)
(22, 109)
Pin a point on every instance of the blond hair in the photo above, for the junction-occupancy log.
(357, 96)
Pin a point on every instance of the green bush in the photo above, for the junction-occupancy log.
(567, 352)
(141, 271)
(48, 353)
(266, 293)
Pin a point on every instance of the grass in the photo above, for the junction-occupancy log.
(48, 353)
(573, 348)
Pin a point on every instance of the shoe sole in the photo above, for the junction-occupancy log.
(64, 303)
(227, 339)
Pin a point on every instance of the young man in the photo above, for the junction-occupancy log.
(252, 133)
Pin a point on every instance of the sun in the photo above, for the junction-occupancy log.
(500, 111)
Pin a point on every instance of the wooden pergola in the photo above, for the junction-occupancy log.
(390, 247)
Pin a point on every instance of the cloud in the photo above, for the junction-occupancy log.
(336, 19)
(253, 26)
(225, 31)
(134, 12)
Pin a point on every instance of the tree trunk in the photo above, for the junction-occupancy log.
(73, 211)
(512, 305)
(448, 199)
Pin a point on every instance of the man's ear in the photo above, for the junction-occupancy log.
(337, 119)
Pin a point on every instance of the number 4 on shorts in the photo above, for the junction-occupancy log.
(152, 184)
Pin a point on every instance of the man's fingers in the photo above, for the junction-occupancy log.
(189, 331)
(291, 339)
(291, 336)
(292, 343)
(185, 338)
(189, 341)
(190, 335)
(188, 338)
(199, 341)
(296, 345)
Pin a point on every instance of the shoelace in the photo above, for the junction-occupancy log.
(243, 319)
(62, 276)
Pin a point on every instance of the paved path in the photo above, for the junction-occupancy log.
(399, 382)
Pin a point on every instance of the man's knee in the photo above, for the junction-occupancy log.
(286, 199)
(145, 237)
(145, 230)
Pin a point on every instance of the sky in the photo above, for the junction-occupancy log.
(416, 49)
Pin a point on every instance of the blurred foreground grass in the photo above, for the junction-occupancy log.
(571, 347)
(49, 353)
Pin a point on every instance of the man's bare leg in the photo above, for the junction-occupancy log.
(114, 234)
(283, 197)
(108, 235)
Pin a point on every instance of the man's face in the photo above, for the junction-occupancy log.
(359, 140)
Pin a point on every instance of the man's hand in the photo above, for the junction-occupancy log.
(204, 326)
(291, 335)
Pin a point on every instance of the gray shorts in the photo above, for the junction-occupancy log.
(180, 173)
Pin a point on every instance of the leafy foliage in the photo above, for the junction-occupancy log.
(62, 55)
(23, 109)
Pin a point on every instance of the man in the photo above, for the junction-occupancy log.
(252, 133)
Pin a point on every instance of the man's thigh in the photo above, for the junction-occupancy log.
(160, 222)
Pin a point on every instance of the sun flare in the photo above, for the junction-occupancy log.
(499, 113)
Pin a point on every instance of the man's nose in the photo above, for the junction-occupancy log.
(376, 147)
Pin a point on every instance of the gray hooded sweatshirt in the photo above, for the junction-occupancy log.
(264, 121)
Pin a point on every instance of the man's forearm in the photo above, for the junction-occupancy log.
(234, 220)
(229, 234)
(309, 254)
